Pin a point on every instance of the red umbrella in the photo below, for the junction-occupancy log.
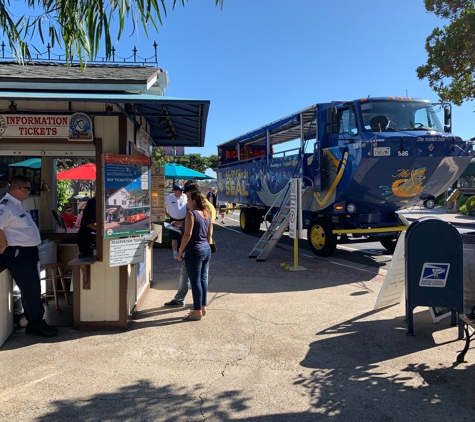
(84, 172)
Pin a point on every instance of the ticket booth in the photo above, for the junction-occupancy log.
(113, 115)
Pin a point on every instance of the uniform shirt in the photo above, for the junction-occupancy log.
(176, 207)
(17, 224)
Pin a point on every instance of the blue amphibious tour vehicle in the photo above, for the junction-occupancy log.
(360, 161)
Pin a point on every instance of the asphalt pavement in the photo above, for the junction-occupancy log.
(275, 345)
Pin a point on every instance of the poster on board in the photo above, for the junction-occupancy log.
(126, 195)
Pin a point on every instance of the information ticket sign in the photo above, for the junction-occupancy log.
(127, 251)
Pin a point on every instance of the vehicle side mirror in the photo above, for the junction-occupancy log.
(447, 119)
(331, 119)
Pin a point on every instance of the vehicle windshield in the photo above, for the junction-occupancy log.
(397, 115)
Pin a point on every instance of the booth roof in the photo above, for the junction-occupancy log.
(173, 121)
(59, 73)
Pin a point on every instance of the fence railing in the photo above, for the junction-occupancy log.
(50, 56)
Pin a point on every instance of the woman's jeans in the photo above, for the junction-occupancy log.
(197, 265)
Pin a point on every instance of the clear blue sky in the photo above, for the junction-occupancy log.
(260, 60)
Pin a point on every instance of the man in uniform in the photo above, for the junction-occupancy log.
(19, 240)
(175, 205)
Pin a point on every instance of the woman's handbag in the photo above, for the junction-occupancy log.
(213, 247)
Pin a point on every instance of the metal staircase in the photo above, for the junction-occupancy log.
(276, 229)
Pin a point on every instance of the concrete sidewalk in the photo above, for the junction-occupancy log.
(274, 346)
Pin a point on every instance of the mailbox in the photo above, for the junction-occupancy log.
(434, 268)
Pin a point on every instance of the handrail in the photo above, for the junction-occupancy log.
(286, 187)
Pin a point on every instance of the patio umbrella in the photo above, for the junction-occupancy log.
(84, 172)
(32, 163)
(178, 171)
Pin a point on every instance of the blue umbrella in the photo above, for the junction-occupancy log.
(178, 171)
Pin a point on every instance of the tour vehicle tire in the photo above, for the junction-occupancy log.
(245, 220)
(429, 204)
(389, 242)
(256, 217)
(321, 240)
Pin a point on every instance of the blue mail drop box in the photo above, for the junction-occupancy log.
(434, 268)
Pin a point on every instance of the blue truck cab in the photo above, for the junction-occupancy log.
(360, 161)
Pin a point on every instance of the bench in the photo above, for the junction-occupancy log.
(468, 321)
(84, 265)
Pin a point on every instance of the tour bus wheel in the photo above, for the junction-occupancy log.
(256, 217)
(245, 220)
(321, 240)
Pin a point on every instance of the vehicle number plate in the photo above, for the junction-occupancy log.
(382, 151)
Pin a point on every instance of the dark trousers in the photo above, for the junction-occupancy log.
(86, 239)
(24, 266)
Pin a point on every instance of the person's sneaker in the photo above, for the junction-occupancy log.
(175, 254)
(174, 303)
(44, 331)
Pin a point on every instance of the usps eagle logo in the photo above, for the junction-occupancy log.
(434, 274)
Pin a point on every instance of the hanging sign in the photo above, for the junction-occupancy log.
(77, 127)
(174, 151)
(80, 127)
(168, 151)
(144, 142)
(33, 126)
